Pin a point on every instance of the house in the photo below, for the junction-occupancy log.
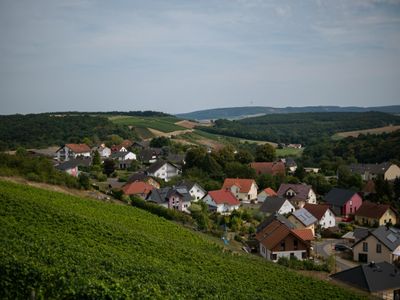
(104, 151)
(343, 202)
(195, 189)
(312, 170)
(387, 170)
(163, 169)
(324, 215)
(381, 280)
(150, 155)
(295, 146)
(271, 168)
(302, 218)
(142, 176)
(374, 214)
(298, 194)
(176, 158)
(123, 147)
(123, 155)
(137, 188)
(171, 197)
(265, 193)
(72, 165)
(278, 205)
(244, 189)
(381, 244)
(290, 164)
(221, 201)
(278, 240)
(69, 151)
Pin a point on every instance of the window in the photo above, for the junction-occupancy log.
(283, 245)
(378, 248)
(262, 249)
(274, 257)
(295, 244)
(291, 254)
(365, 246)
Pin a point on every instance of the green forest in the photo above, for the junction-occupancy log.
(56, 246)
(43, 130)
(300, 128)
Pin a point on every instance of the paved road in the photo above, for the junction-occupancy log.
(325, 249)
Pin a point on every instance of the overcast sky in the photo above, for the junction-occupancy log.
(179, 56)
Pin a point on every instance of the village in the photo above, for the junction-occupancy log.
(341, 231)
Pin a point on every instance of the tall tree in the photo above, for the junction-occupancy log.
(265, 152)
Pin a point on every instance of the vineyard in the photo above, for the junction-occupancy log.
(58, 246)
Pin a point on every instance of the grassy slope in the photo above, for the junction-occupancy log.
(164, 124)
(62, 246)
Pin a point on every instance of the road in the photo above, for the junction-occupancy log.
(325, 249)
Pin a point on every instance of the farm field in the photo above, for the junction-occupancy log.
(286, 152)
(58, 246)
(164, 124)
(356, 133)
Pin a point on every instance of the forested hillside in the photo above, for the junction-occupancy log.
(55, 246)
(300, 127)
(43, 130)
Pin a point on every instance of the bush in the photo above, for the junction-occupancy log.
(169, 214)
(306, 264)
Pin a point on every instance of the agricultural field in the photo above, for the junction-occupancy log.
(289, 152)
(57, 246)
(356, 133)
(164, 124)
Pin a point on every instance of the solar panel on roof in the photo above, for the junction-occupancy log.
(394, 230)
(391, 237)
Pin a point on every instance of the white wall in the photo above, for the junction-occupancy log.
(197, 192)
(286, 208)
(328, 220)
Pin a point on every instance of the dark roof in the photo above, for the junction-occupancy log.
(176, 158)
(119, 154)
(155, 166)
(372, 210)
(370, 168)
(272, 218)
(390, 237)
(72, 163)
(301, 190)
(139, 176)
(338, 197)
(147, 154)
(372, 277)
(161, 195)
(272, 204)
(360, 233)
(317, 210)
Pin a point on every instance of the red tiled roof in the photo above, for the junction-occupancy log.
(372, 210)
(137, 187)
(271, 235)
(223, 197)
(317, 210)
(304, 234)
(243, 184)
(78, 148)
(273, 168)
(270, 192)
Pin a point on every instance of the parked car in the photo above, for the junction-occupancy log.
(341, 247)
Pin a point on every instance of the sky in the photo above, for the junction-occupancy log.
(180, 56)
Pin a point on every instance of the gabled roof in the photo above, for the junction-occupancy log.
(161, 195)
(273, 168)
(243, 184)
(304, 233)
(147, 154)
(370, 168)
(269, 191)
(273, 204)
(223, 197)
(275, 217)
(78, 148)
(389, 237)
(372, 210)
(139, 176)
(157, 165)
(317, 210)
(189, 185)
(301, 190)
(338, 197)
(372, 277)
(137, 187)
(304, 216)
(119, 154)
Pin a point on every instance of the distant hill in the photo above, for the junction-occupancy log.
(54, 246)
(251, 111)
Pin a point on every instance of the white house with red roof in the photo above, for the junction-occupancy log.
(222, 201)
(245, 190)
(265, 193)
(69, 151)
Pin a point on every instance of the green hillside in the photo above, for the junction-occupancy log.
(58, 246)
(164, 124)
